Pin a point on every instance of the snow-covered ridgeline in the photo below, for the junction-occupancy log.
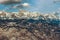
(27, 15)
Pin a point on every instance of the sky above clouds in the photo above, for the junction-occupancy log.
(44, 6)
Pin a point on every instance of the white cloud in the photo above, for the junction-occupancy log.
(25, 4)
(22, 5)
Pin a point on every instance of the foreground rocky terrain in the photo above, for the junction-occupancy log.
(24, 29)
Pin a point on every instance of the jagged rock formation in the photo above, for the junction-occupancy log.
(28, 29)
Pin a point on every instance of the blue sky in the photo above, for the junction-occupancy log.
(44, 6)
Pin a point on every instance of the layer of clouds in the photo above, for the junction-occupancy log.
(9, 1)
(21, 5)
(56, 1)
